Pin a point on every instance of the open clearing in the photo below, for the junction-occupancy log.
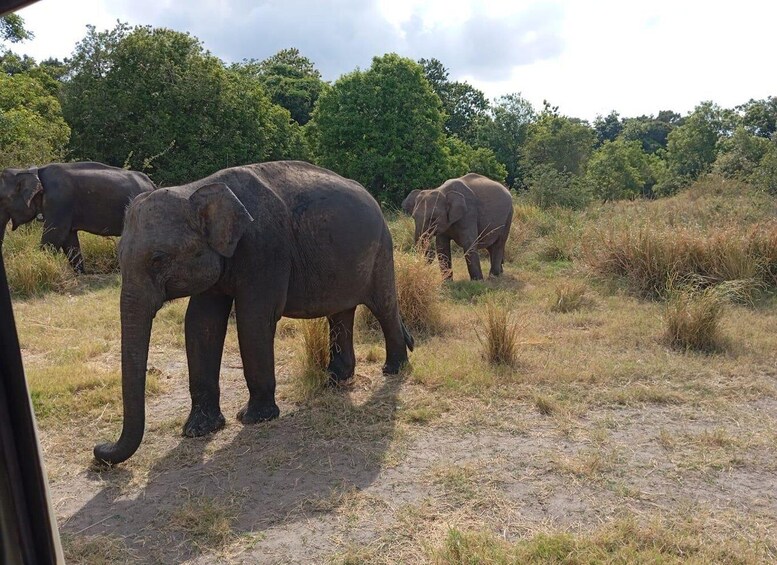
(600, 444)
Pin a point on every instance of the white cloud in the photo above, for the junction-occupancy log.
(587, 56)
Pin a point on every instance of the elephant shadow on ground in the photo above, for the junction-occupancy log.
(268, 475)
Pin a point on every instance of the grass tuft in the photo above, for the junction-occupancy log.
(692, 319)
(500, 335)
(315, 358)
(569, 297)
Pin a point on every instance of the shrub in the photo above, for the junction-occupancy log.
(500, 335)
(692, 318)
(549, 187)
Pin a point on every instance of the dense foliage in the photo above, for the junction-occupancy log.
(154, 99)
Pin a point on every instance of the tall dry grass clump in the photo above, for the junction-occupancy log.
(100, 253)
(692, 319)
(315, 358)
(33, 271)
(499, 334)
(419, 284)
(651, 259)
(568, 296)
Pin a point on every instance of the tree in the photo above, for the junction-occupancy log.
(32, 129)
(290, 80)
(740, 154)
(467, 159)
(621, 169)
(153, 99)
(562, 142)
(651, 133)
(505, 132)
(547, 188)
(692, 147)
(462, 103)
(12, 29)
(608, 127)
(382, 127)
(49, 72)
(760, 116)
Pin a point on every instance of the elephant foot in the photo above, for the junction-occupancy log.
(339, 372)
(252, 414)
(394, 367)
(202, 423)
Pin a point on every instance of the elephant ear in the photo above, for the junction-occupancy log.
(28, 186)
(408, 204)
(457, 206)
(221, 217)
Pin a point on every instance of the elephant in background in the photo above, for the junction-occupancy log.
(71, 197)
(474, 211)
(281, 238)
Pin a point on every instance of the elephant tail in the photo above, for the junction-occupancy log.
(409, 341)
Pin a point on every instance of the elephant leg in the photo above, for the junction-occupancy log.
(497, 254)
(72, 249)
(342, 359)
(472, 258)
(205, 329)
(383, 305)
(443, 244)
(256, 321)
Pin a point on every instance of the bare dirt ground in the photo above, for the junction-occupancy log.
(357, 476)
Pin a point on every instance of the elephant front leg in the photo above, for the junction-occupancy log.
(72, 249)
(473, 259)
(444, 256)
(206, 328)
(256, 333)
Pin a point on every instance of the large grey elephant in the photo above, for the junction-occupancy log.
(278, 239)
(71, 197)
(473, 210)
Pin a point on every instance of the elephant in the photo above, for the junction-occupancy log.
(280, 238)
(71, 197)
(474, 211)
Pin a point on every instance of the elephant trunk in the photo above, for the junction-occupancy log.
(136, 318)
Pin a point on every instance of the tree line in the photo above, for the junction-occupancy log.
(156, 100)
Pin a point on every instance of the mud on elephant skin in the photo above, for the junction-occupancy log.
(275, 239)
(71, 197)
(474, 211)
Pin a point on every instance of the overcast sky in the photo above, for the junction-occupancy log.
(586, 56)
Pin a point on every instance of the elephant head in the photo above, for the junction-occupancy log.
(18, 191)
(436, 210)
(174, 244)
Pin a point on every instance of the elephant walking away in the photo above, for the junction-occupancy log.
(281, 238)
(72, 197)
(473, 210)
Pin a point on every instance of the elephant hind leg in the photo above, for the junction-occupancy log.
(383, 305)
(497, 255)
(342, 358)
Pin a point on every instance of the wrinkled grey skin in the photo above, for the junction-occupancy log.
(473, 210)
(278, 239)
(71, 197)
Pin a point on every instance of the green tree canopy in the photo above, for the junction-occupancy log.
(153, 98)
(652, 133)
(290, 80)
(505, 132)
(32, 129)
(12, 29)
(608, 127)
(382, 127)
(692, 147)
(562, 142)
(462, 103)
(621, 169)
(467, 159)
(760, 116)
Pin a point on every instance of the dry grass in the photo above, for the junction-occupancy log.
(315, 356)
(569, 296)
(499, 337)
(33, 271)
(206, 522)
(692, 318)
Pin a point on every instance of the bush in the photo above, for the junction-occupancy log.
(692, 318)
(548, 187)
(568, 297)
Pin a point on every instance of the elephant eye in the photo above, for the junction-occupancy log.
(158, 258)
